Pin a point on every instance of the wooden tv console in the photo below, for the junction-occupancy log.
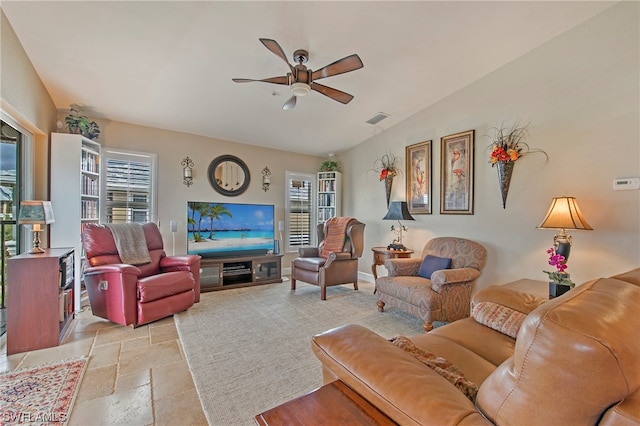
(232, 272)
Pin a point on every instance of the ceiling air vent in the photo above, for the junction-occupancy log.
(377, 118)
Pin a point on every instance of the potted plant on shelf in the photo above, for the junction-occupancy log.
(559, 281)
(330, 166)
(80, 125)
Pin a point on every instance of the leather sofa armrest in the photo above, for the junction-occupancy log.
(121, 268)
(391, 379)
(452, 276)
(403, 266)
(190, 263)
(512, 299)
(176, 262)
(336, 257)
(117, 299)
(308, 251)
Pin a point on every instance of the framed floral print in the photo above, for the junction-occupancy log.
(456, 173)
(418, 185)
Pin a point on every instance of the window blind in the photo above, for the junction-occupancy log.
(299, 211)
(129, 193)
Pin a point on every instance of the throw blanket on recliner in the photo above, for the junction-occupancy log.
(130, 242)
(335, 235)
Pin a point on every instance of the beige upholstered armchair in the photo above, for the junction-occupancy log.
(335, 260)
(426, 287)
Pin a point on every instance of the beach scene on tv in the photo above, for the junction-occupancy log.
(229, 229)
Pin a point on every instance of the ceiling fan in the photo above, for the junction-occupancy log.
(302, 80)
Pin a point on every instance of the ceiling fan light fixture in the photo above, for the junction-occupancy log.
(300, 89)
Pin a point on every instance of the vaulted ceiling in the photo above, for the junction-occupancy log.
(169, 64)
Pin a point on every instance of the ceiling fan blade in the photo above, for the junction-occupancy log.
(274, 47)
(290, 104)
(335, 94)
(347, 64)
(275, 80)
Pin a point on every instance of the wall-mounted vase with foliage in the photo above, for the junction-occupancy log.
(508, 146)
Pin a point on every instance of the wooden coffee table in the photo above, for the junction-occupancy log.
(332, 404)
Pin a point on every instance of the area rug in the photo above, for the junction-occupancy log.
(249, 349)
(40, 395)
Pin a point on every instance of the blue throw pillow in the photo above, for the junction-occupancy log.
(430, 264)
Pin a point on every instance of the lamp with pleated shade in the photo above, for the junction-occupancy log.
(564, 214)
(36, 213)
(398, 210)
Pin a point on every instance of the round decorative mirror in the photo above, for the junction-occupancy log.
(228, 175)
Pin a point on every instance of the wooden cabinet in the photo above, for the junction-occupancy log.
(223, 273)
(75, 192)
(329, 195)
(40, 299)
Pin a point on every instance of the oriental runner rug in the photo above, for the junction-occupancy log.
(40, 395)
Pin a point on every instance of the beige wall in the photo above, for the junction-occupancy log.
(580, 92)
(173, 195)
(24, 98)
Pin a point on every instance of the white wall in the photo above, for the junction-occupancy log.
(580, 92)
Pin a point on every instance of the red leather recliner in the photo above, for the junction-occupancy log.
(136, 295)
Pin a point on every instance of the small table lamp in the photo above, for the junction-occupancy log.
(36, 213)
(564, 214)
(398, 210)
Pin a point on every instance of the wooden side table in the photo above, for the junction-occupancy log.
(381, 254)
(332, 404)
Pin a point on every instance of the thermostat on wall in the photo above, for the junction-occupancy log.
(623, 184)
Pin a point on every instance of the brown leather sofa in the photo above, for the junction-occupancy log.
(575, 361)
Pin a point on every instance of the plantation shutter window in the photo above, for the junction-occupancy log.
(129, 187)
(299, 211)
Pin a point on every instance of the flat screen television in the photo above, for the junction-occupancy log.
(229, 229)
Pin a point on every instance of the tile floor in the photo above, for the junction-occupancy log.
(134, 376)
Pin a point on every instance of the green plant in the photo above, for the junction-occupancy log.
(330, 166)
(80, 124)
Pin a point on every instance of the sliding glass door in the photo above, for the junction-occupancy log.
(10, 155)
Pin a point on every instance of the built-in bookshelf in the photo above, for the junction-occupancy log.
(75, 193)
(329, 195)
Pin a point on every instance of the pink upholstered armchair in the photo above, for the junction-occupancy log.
(445, 295)
(136, 295)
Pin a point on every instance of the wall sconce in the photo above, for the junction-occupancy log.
(266, 179)
(36, 213)
(187, 171)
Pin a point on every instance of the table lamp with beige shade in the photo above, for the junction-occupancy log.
(36, 213)
(564, 214)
